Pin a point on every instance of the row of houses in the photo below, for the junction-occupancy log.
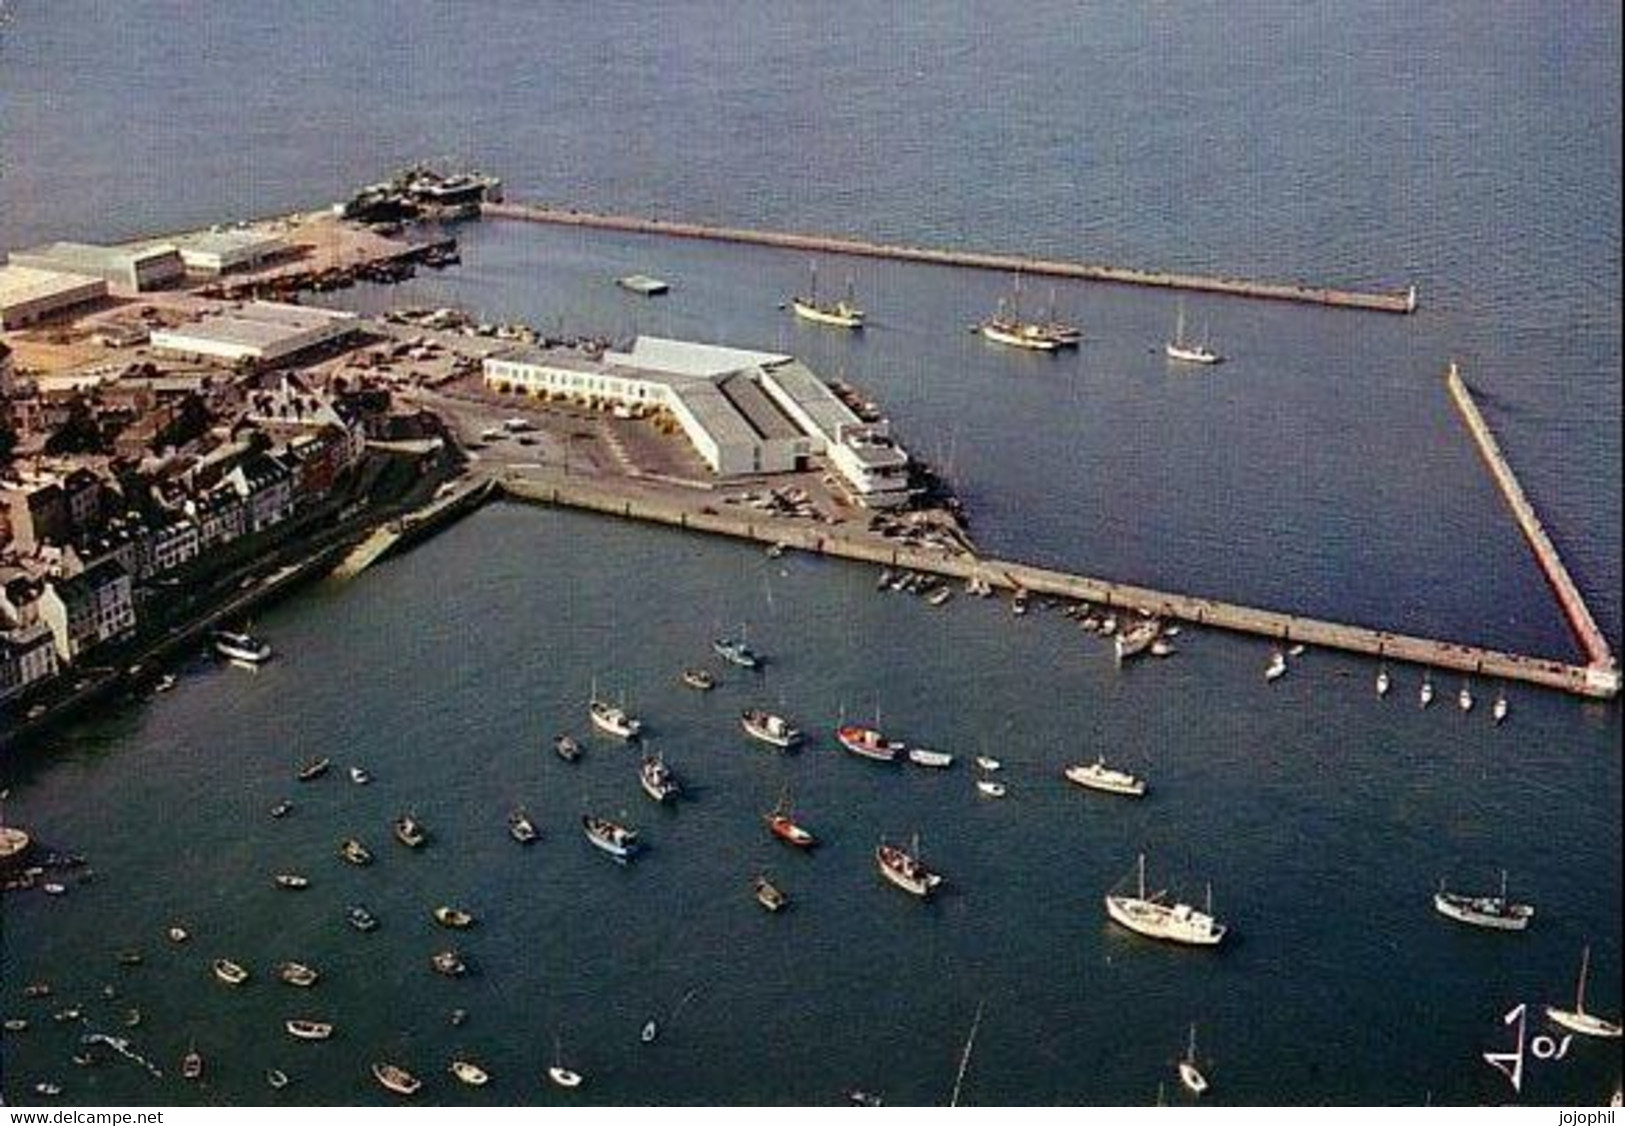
(94, 552)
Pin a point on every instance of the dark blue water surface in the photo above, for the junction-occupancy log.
(1472, 150)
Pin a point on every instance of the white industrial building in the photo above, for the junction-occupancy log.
(28, 295)
(125, 269)
(262, 331)
(745, 412)
(216, 252)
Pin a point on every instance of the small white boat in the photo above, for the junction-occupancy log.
(1277, 666)
(921, 756)
(301, 1029)
(1162, 647)
(409, 831)
(989, 788)
(940, 595)
(276, 1078)
(448, 962)
(396, 1079)
(770, 728)
(558, 1073)
(297, 973)
(701, 680)
(988, 763)
(471, 1073)
(521, 828)
(905, 870)
(242, 647)
(355, 852)
(1189, 1074)
(567, 748)
(613, 719)
(165, 682)
(769, 894)
(617, 840)
(1425, 693)
(1492, 912)
(1383, 683)
(359, 776)
(649, 1031)
(291, 880)
(736, 651)
(453, 917)
(1577, 1019)
(657, 779)
(1296, 650)
(1464, 699)
(1136, 639)
(229, 972)
(1098, 776)
(1499, 711)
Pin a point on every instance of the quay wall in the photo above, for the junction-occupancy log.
(1466, 659)
(1403, 302)
(1575, 609)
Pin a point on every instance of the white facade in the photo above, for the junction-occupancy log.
(28, 295)
(744, 412)
(263, 331)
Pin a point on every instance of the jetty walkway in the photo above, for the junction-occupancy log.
(1401, 302)
(1602, 664)
(670, 508)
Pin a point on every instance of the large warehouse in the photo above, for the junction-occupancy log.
(125, 269)
(262, 331)
(745, 412)
(217, 252)
(28, 295)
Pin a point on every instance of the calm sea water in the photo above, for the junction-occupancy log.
(1475, 152)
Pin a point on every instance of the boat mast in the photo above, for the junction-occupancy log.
(964, 1057)
(1580, 993)
(1142, 876)
(1190, 1052)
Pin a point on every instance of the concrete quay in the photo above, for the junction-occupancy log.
(692, 512)
(1403, 302)
(1602, 667)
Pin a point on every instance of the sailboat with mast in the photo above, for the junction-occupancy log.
(1189, 1074)
(1493, 912)
(1171, 922)
(1577, 1019)
(1007, 327)
(1187, 351)
(844, 313)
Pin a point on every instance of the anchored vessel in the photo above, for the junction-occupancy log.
(1577, 1019)
(906, 870)
(396, 1079)
(770, 728)
(617, 840)
(844, 313)
(613, 719)
(1098, 776)
(1493, 912)
(243, 647)
(1189, 1074)
(1178, 922)
(736, 651)
(866, 742)
(657, 779)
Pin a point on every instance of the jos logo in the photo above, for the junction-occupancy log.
(1542, 1047)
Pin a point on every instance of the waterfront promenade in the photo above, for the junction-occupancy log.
(690, 510)
(1400, 302)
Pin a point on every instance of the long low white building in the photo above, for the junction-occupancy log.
(28, 295)
(264, 331)
(745, 412)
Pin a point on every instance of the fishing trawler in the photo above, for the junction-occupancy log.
(1178, 922)
(905, 870)
(1493, 912)
(844, 313)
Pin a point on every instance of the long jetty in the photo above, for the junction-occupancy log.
(1281, 627)
(1602, 667)
(1401, 302)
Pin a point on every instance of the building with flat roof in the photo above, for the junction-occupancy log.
(262, 331)
(29, 295)
(125, 269)
(744, 412)
(216, 252)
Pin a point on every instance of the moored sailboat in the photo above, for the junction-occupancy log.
(1577, 1019)
(612, 719)
(866, 742)
(904, 869)
(1189, 1074)
(1188, 351)
(1492, 912)
(770, 728)
(1177, 922)
(844, 313)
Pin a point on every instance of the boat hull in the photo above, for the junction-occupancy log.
(867, 743)
(1179, 924)
(1584, 1023)
(839, 316)
(1480, 912)
(1107, 782)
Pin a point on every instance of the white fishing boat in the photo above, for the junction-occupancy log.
(1098, 776)
(1492, 912)
(1277, 666)
(1176, 922)
(244, 647)
(770, 728)
(922, 756)
(1383, 683)
(1136, 639)
(1577, 1019)
(617, 840)
(558, 1073)
(1188, 351)
(469, 1072)
(844, 313)
(396, 1079)
(867, 742)
(657, 779)
(1499, 711)
(301, 1029)
(1018, 334)
(905, 870)
(612, 719)
(229, 972)
(1189, 1074)
(989, 788)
